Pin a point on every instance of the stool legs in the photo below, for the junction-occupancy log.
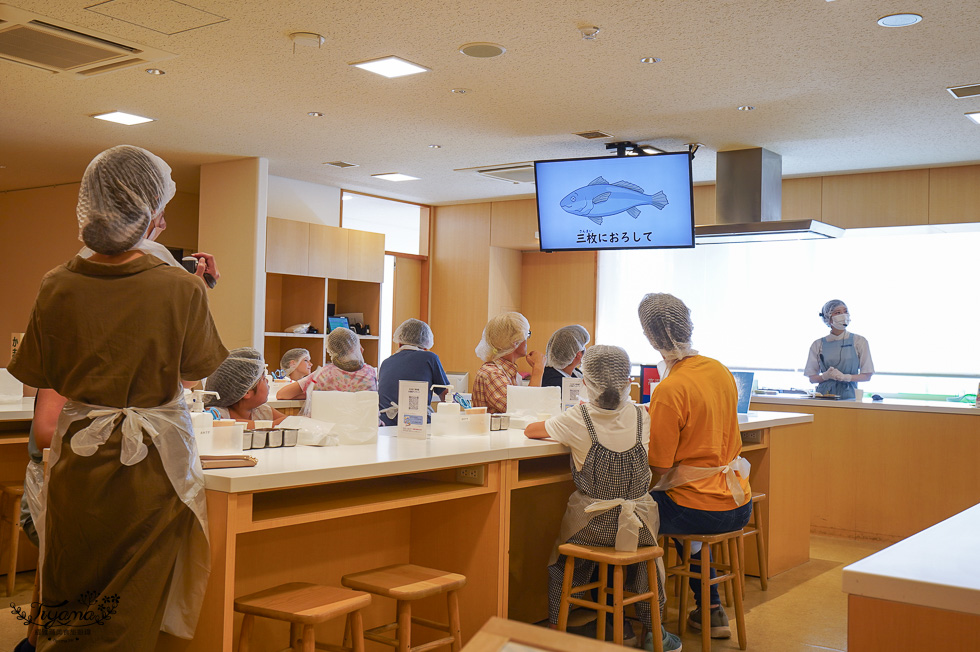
(455, 630)
(309, 638)
(246, 635)
(14, 536)
(600, 623)
(355, 623)
(683, 581)
(705, 597)
(653, 580)
(617, 605)
(404, 625)
(566, 587)
(739, 614)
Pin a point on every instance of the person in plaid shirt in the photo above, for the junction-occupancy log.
(504, 343)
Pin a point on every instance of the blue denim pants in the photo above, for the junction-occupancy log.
(676, 519)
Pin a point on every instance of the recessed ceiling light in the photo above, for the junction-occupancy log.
(746, 107)
(651, 60)
(460, 91)
(394, 176)
(315, 114)
(435, 146)
(900, 20)
(123, 118)
(975, 116)
(155, 71)
(482, 50)
(390, 67)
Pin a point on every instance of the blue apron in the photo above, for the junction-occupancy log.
(841, 355)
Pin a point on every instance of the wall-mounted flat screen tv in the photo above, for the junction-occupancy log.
(615, 202)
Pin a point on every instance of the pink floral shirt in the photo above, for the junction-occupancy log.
(335, 379)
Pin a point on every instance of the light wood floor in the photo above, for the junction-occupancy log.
(804, 609)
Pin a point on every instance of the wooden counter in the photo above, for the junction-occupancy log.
(920, 593)
(315, 514)
(886, 471)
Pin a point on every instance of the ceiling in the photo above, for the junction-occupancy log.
(832, 91)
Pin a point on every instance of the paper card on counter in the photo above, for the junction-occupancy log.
(536, 401)
(413, 402)
(571, 388)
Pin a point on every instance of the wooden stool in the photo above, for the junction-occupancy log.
(405, 583)
(10, 519)
(730, 572)
(754, 528)
(303, 605)
(607, 557)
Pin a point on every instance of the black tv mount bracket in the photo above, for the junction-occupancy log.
(627, 148)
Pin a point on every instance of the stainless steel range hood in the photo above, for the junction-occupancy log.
(748, 203)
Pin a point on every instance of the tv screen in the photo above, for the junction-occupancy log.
(615, 202)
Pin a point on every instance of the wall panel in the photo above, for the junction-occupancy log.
(896, 198)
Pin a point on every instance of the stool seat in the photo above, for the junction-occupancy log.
(13, 489)
(405, 581)
(603, 555)
(302, 602)
(709, 539)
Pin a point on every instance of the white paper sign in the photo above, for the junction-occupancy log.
(570, 390)
(413, 408)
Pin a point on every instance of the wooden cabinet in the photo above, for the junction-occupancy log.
(365, 256)
(328, 251)
(309, 267)
(287, 247)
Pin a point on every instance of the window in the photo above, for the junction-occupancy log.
(756, 305)
(400, 223)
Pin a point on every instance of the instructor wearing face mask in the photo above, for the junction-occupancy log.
(841, 360)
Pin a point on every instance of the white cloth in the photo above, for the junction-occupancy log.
(812, 367)
(147, 247)
(683, 474)
(261, 413)
(615, 429)
(170, 430)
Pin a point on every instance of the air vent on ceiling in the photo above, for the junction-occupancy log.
(523, 173)
(58, 47)
(960, 92)
(592, 135)
(341, 164)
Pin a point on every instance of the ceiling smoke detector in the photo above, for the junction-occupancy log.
(589, 32)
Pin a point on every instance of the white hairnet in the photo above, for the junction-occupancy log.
(606, 374)
(415, 332)
(830, 307)
(292, 358)
(240, 372)
(122, 189)
(564, 345)
(666, 322)
(345, 349)
(502, 334)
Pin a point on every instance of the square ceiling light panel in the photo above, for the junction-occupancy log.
(394, 176)
(123, 118)
(390, 67)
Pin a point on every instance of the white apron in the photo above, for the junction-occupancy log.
(170, 430)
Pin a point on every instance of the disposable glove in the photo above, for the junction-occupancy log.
(845, 377)
(831, 374)
(391, 412)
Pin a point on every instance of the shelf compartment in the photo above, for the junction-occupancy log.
(537, 471)
(294, 506)
(311, 336)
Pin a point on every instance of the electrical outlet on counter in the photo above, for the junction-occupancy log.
(471, 474)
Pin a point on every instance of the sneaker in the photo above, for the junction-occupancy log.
(671, 642)
(630, 639)
(719, 622)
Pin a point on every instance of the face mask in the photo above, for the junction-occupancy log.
(840, 321)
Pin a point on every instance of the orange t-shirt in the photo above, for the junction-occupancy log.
(694, 422)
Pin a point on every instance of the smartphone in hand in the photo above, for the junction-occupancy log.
(190, 264)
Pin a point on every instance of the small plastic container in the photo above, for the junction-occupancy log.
(259, 438)
(289, 437)
(247, 440)
(275, 438)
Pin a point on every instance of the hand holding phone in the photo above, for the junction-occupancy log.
(200, 265)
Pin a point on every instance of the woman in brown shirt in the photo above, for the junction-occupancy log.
(123, 543)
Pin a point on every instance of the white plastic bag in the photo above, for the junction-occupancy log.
(311, 431)
(355, 414)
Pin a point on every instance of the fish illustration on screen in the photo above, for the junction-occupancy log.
(601, 199)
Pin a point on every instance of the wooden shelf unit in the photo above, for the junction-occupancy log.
(308, 267)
